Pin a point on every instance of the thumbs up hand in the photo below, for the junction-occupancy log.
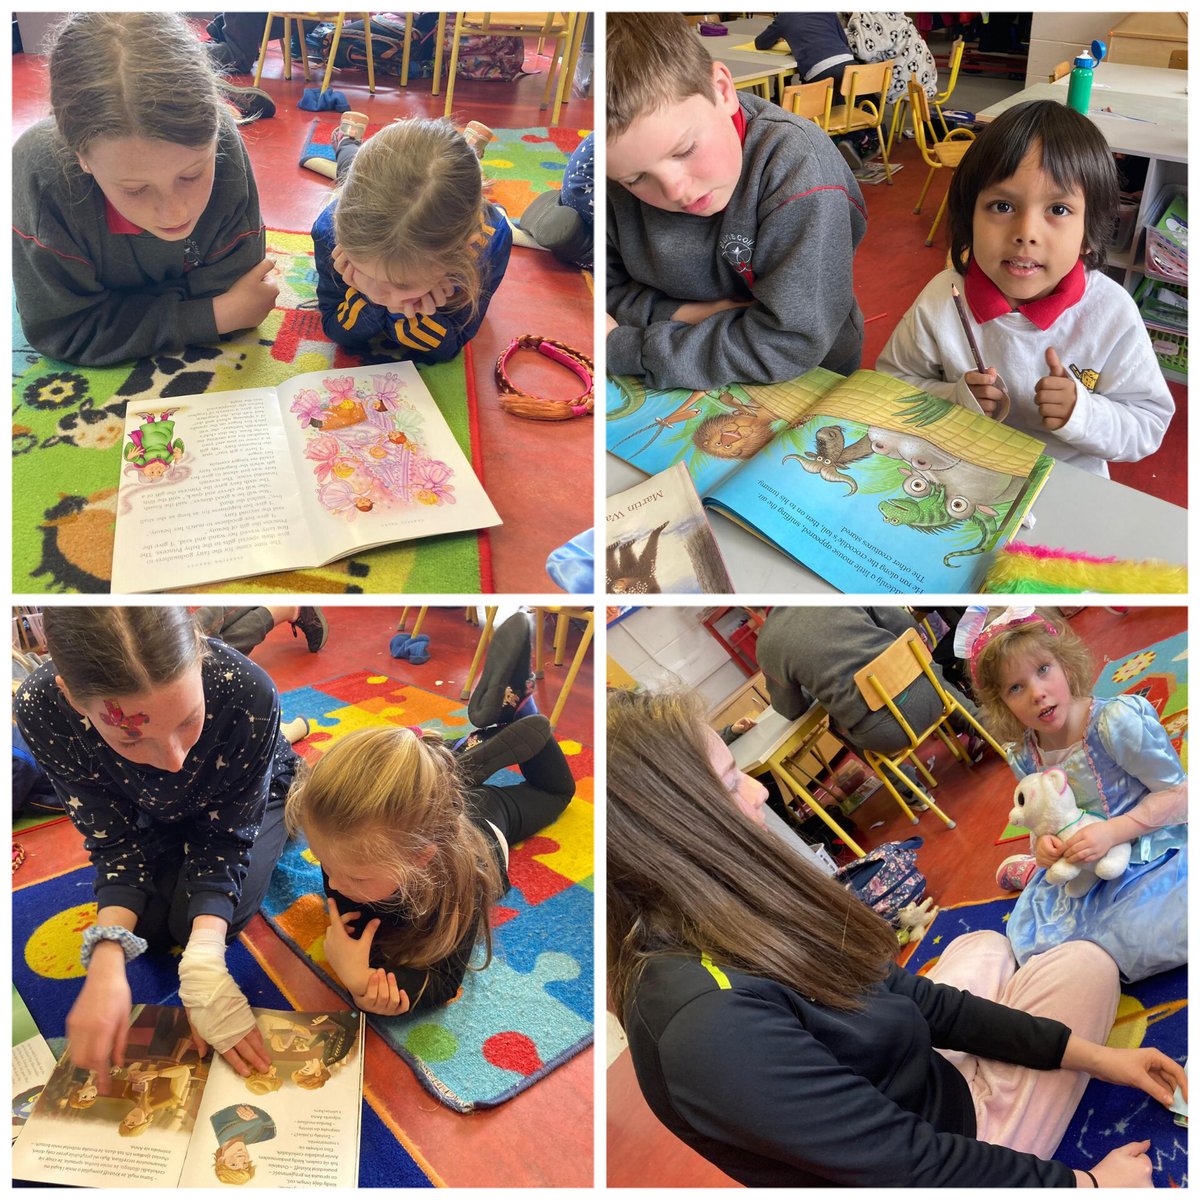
(1055, 393)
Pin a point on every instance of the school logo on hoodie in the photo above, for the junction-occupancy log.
(736, 250)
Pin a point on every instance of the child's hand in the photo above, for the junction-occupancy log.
(347, 955)
(1055, 393)
(1090, 843)
(248, 302)
(1048, 850)
(382, 995)
(742, 725)
(429, 303)
(985, 387)
(700, 310)
(1144, 1068)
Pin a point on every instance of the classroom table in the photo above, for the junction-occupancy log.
(747, 65)
(1076, 510)
(1146, 120)
(776, 738)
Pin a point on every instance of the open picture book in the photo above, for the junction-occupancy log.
(864, 480)
(229, 484)
(172, 1119)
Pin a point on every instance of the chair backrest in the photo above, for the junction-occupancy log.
(1178, 60)
(956, 57)
(812, 100)
(921, 121)
(1063, 68)
(865, 79)
(893, 670)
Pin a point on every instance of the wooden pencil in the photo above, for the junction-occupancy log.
(966, 324)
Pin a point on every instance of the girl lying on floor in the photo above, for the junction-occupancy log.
(414, 845)
(772, 1032)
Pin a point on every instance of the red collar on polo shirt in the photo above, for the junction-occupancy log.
(987, 301)
(116, 222)
(739, 123)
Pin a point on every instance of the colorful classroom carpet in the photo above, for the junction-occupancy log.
(1160, 674)
(68, 421)
(518, 165)
(48, 920)
(1151, 1013)
(531, 1009)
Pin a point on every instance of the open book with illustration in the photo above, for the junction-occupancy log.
(866, 481)
(229, 484)
(172, 1119)
(32, 1063)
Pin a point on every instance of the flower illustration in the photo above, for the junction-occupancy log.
(1133, 667)
(57, 390)
(342, 390)
(430, 479)
(324, 451)
(308, 406)
(387, 388)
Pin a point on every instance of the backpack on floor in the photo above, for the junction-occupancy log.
(887, 879)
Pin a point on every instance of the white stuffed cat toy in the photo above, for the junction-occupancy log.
(1045, 804)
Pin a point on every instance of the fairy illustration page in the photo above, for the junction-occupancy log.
(230, 484)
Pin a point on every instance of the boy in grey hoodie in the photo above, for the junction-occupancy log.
(731, 223)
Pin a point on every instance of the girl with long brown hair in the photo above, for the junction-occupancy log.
(772, 1032)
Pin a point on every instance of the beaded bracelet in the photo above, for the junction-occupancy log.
(539, 408)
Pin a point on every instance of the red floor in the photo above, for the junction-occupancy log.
(893, 264)
(959, 864)
(538, 474)
(541, 1138)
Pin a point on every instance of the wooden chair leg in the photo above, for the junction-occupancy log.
(333, 49)
(287, 48)
(485, 636)
(370, 53)
(539, 620)
(437, 54)
(453, 62)
(407, 54)
(576, 663)
(262, 53)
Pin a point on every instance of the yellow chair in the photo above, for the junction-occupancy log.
(565, 29)
(562, 626)
(886, 677)
(858, 114)
(416, 629)
(811, 100)
(338, 19)
(938, 155)
(901, 107)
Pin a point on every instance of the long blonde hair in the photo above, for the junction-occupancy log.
(393, 799)
(414, 197)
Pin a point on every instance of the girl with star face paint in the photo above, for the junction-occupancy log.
(164, 747)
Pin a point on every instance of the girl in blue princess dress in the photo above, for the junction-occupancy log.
(1032, 674)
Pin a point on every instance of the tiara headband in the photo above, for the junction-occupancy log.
(975, 636)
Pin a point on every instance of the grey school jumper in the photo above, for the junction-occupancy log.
(786, 239)
(90, 295)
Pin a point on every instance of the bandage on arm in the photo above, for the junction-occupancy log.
(218, 1010)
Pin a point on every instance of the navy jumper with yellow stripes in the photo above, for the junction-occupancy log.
(351, 320)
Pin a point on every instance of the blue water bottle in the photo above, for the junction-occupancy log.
(1079, 92)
